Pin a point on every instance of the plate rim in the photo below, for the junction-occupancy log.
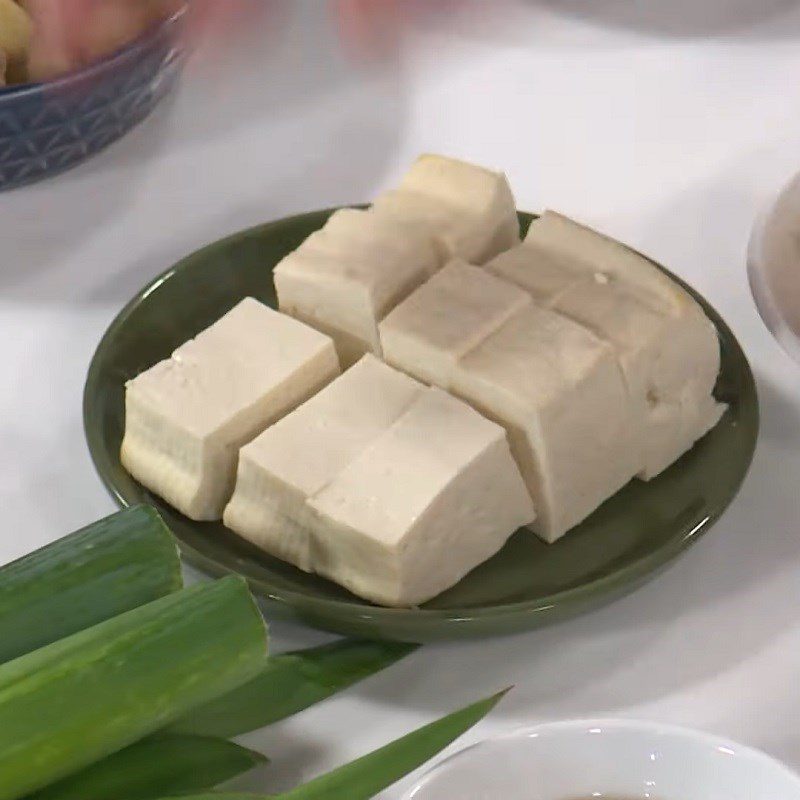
(604, 588)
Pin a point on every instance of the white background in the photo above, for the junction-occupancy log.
(666, 124)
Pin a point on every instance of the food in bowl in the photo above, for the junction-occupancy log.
(488, 384)
(28, 56)
(16, 32)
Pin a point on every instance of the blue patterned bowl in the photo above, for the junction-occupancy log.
(49, 127)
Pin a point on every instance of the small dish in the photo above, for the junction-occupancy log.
(773, 258)
(46, 128)
(608, 760)
(623, 544)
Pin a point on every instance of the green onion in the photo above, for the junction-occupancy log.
(69, 704)
(290, 683)
(364, 778)
(154, 766)
(114, 565)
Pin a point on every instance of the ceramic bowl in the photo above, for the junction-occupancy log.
(773, 257)
(48, 127)
(608, 760)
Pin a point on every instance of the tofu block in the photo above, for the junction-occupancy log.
(303, 452)
(187, 416)
(349, 226)
(346, 277)
(559, 392)
(445, 318)
(668, 349)
(544, 275)
(607, 258)
(469, 208)
(670, 366)
(674, 426)
(426, 503)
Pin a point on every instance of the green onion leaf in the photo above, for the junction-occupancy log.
(114, 565)
(367, 776)
(290, 683)
(161, 764)
(67, 705)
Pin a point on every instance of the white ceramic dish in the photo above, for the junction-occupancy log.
(608, 760)
(772, 258)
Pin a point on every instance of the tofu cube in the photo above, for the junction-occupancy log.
(667, 348)
(445, 318)
(187, 416)
(673, 426)
(559, 392)
(346, 277)
(595, 253)
(469, 208)
(670, 366)
(301, 453)
(427, 502)
(544, 275)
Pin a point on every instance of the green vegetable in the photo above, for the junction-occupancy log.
(370, 774)
(69, 704)
(159, 764)
(119, 563)
(364, 778)
(290, 683)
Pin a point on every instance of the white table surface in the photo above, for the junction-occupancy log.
(668, 125)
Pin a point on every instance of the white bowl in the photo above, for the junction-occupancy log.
(773, 257)
(609, 759)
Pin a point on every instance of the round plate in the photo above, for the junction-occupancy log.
(528, 583)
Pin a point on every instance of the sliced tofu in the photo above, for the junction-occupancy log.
(559, 392)
(445, 318)
(469, 208)
(607, 258)
(353, 225)
(670, 366)
(668, 349)
(304, 451)
(426, 503)
(187, 416)
(542, 274)
(346, 277)
(673, 426)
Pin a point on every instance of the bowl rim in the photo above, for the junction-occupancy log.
(696, 736)
(128, 51)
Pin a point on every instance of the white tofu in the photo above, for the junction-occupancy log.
(670, 366)
(674, 426)
(469, 208)
(559, 392)
(299, 455)
(430, 500)
(187, 416)
(349, 226)
(667, 347)
(544, 275)
(595, 253)
(344, 278)
(445, 318)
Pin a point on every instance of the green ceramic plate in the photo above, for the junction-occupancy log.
(527, 584)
